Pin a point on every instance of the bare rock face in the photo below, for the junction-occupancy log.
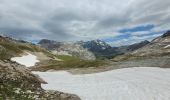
(18, 83)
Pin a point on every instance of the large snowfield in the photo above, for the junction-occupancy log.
(142, 83)
(27, 60)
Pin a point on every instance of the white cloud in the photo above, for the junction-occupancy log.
(70, 20)
(139, 33)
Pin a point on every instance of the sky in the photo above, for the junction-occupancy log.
(118, 22)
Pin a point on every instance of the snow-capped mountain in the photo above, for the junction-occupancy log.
(95, 45)
(100, 48)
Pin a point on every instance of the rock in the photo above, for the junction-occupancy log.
(17, 82)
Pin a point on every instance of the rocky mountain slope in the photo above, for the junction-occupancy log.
(70, 49)
(156, 53)
(132, 47)
(18, 83)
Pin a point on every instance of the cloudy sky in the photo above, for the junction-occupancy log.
(118, 22)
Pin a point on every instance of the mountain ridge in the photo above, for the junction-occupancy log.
(158, 47)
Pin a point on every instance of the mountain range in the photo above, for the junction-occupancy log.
(89, 50)
(20, 83)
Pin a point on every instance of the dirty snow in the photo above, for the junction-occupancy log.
(142, 83)
(27, 60)
(167, 46)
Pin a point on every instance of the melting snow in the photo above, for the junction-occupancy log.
(123, 84)
(27, 60)
(167, 46)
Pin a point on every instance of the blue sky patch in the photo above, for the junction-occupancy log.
(111, 39)
(138, 28)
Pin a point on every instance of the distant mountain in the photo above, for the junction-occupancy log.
(87, 49)
(158, 47)
(132, 47)
(100, 48)
(49, 44)
(137, 45)
(69, 49)
(95, 45)
(103, 50)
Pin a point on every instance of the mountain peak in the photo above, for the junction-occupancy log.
(166, 34)
(45, 41)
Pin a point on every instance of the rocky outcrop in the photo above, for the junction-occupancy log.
(18, 83)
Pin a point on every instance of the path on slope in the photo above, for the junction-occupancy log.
(142, 83)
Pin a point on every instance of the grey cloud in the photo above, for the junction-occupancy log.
(69, 20)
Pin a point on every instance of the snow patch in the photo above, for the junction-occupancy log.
(123, 84)
(27, 60)
(167, 46)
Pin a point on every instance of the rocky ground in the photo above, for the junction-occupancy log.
(18, 83)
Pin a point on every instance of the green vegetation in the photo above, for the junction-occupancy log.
(69, 62)
(9, 91)
(10, 48)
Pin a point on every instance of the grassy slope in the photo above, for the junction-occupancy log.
(10, 48)
(68, 63)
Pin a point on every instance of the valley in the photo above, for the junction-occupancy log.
(84, 50)
(134, 74)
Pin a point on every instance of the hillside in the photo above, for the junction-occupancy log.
(11, 47)
(156, 53)
(132, 47)
(18, 83)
